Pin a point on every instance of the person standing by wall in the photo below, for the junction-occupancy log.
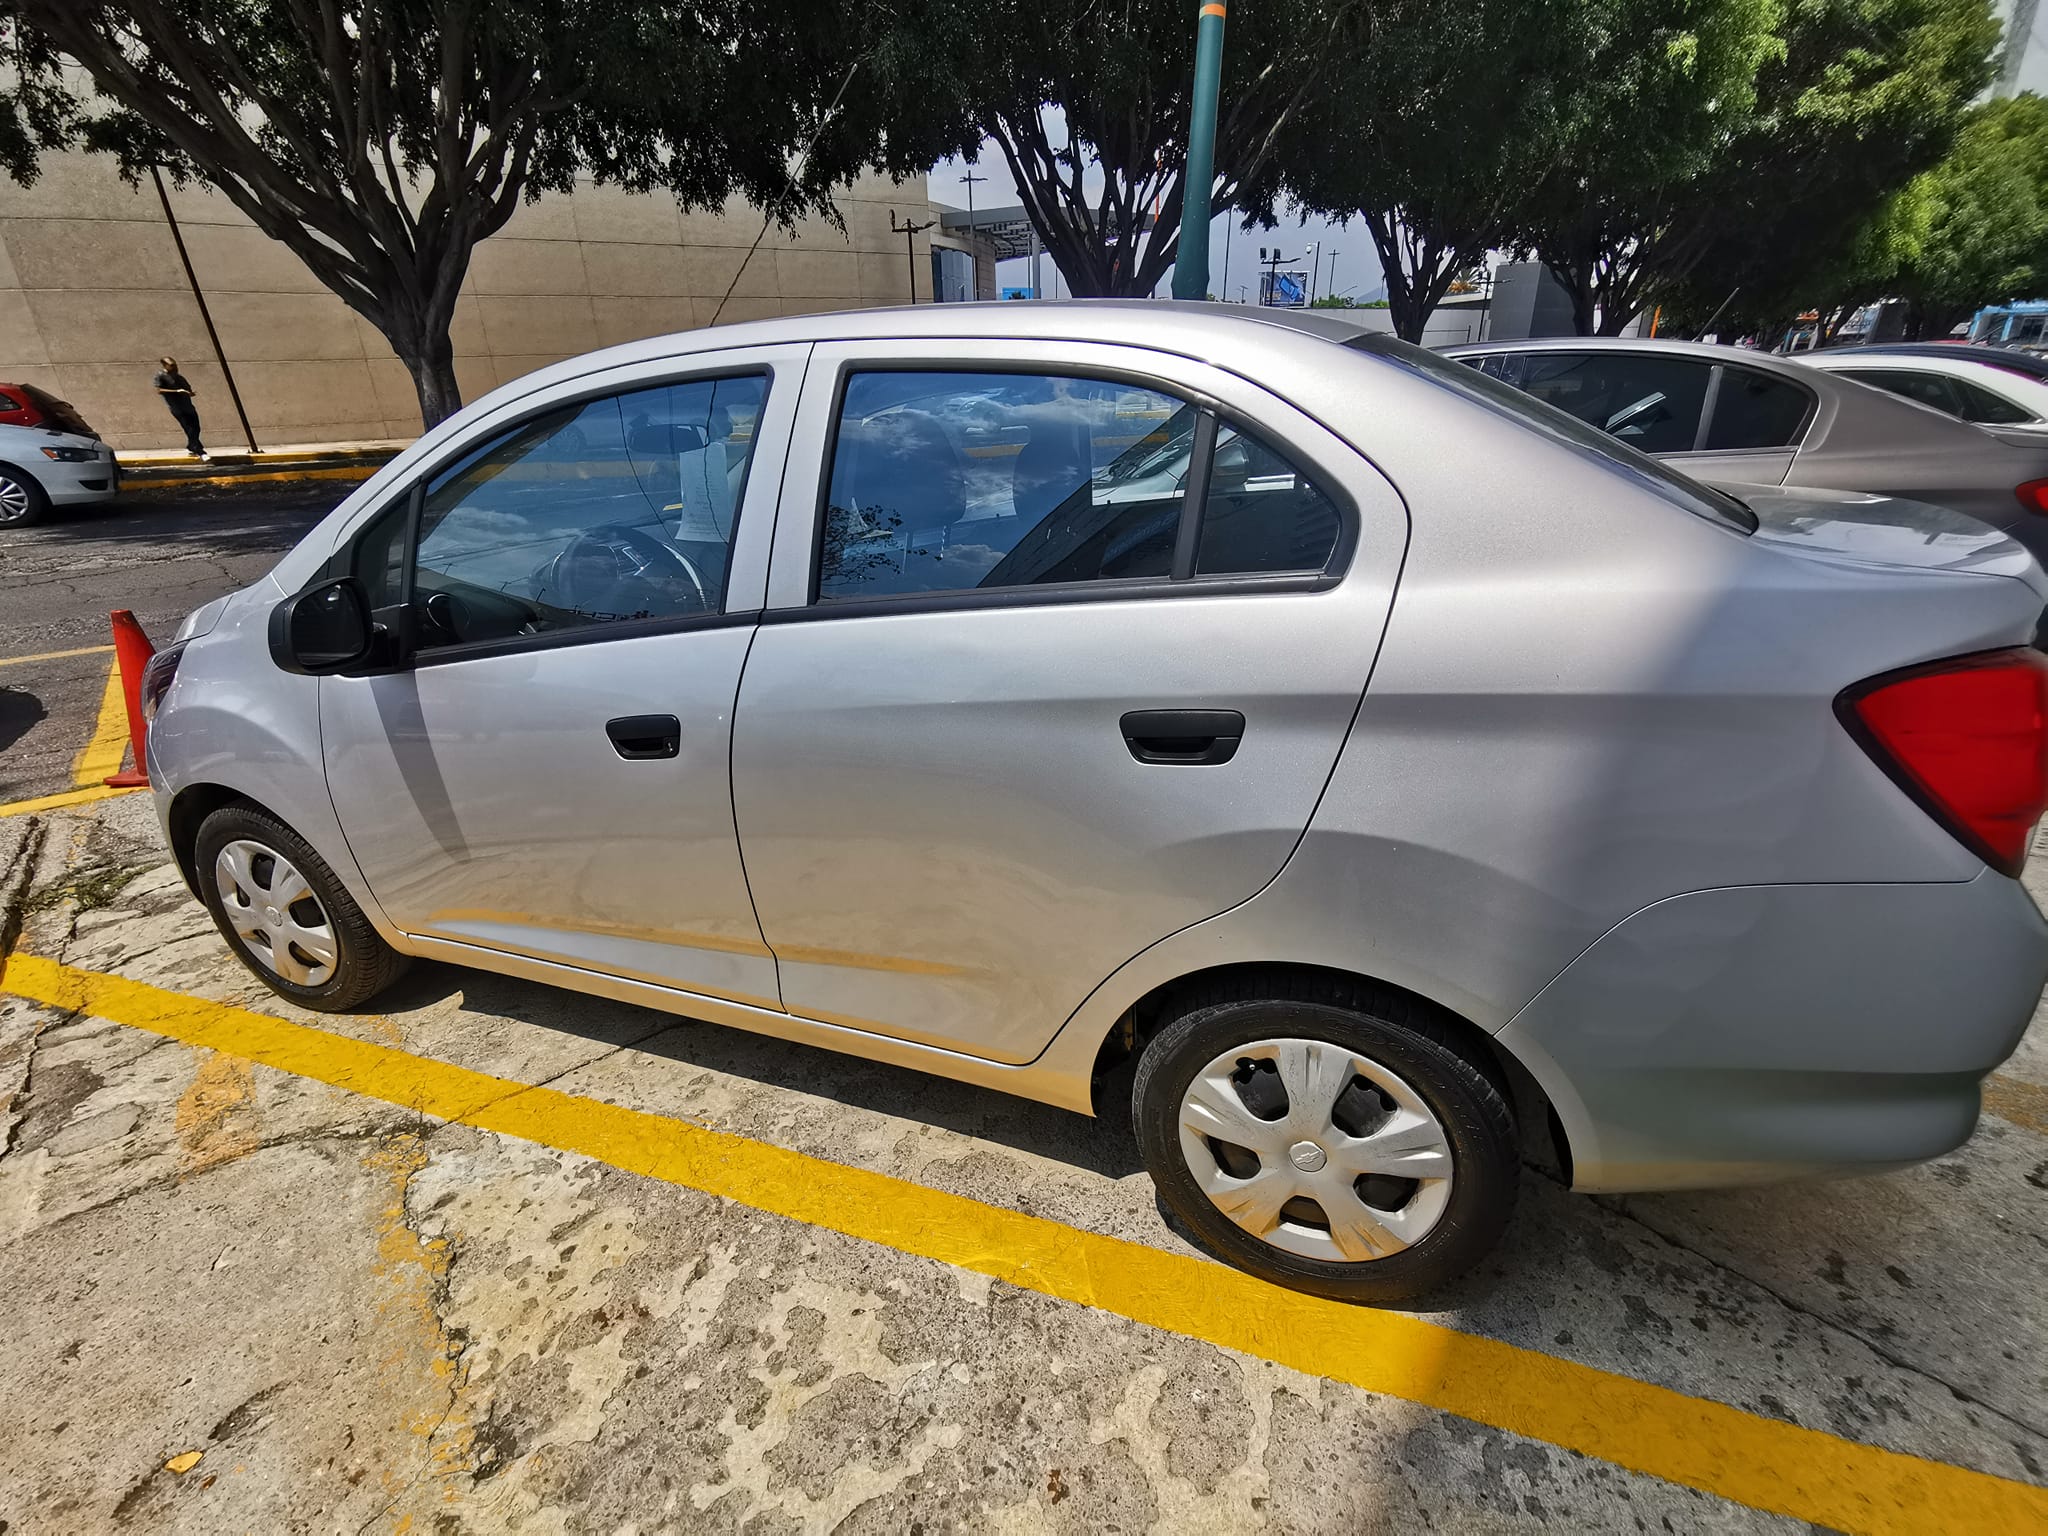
(177, 393)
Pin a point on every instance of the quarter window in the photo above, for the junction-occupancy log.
(599, 512)
(1756, 410)
(1956, 397)
(955, 482)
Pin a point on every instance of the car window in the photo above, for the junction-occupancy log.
(1987, 408)
(598, 512)
(954, 482)
(1648, 401)
(1496, 395)
(1927, 388)
(1753, 409)
(1262, 514)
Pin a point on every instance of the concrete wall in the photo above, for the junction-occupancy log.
(91, 294)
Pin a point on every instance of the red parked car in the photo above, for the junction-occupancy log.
(23, 405)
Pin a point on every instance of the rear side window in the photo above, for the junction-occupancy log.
(960, 482)
(1926, 388)
(1649, 402)
(1753, 409)
(1992, 410)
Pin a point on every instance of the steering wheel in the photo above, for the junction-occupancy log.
(617, 571)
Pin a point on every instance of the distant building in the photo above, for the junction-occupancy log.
(2023, 56)
(92, 293)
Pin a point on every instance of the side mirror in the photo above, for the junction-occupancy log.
(323, 629)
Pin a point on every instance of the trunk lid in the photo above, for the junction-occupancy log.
(1851, 528)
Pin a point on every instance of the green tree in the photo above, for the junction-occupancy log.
(1863, 96)
(1665, 84)
(1435, 136)
(1984, 218)
(382, 140)
(1089, 105)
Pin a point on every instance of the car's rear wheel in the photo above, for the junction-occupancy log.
(1324, 1147)
(286, 916)
(22, 499)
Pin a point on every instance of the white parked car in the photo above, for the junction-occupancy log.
(41, 468)
(1968, 386)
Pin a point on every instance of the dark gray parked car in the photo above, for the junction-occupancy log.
(1726, 416)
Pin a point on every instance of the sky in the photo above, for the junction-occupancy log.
(1357, 269)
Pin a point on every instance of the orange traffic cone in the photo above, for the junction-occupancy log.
(133, 650)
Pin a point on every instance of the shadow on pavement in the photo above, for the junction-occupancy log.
(20, 711)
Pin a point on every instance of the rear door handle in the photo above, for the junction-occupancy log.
(1194, 737)
(638, 738)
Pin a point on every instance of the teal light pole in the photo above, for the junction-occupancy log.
(1191, 257)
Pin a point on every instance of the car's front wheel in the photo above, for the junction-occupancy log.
(286, 916)
(22, 498)
(1325, 1147)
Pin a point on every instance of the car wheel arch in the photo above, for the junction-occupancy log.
(1117, 1055)
(189, 810)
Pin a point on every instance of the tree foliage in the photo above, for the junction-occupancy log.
(1665, 88)
(1978, 230)
(1462, 119)
(1089, 105)
(381, 140)
(1863, 96)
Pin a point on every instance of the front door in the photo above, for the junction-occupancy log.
(1064, 670)
(551, 774)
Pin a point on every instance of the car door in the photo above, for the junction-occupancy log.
(549, 775)
(1059, 665)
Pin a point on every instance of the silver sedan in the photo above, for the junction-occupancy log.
(1317, 752)
(1728, 415)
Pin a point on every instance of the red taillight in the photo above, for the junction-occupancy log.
(1968, 739)
(2033, 495)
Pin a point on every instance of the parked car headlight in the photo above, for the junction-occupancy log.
(71, 455)
(157, 678)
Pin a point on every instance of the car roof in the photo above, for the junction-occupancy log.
(2005, 359)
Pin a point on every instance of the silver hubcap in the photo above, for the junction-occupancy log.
(275, 913)
(13, 499)
(1316, 1150)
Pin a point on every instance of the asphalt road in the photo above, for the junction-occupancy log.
(159, 553)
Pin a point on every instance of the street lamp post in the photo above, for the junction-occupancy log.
(1191, 256)
(973, 250)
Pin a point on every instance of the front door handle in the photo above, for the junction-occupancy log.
(1195, 737)
(638, 738)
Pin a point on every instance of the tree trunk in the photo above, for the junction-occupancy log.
(1615, 322)
(432, 367)
(1581, 290)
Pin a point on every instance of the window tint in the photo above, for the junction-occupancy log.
(600, 512)
(1649, 402)
(1262, 514)
(1927, 388)
(1756, 410)
(1982, 405)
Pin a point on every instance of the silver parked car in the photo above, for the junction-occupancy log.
(1313, 750)
(1727, 415)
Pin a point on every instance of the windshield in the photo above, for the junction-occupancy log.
(1560, 426)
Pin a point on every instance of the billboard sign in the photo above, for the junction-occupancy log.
(1284, 290)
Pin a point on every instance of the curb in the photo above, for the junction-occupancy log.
(165, 473)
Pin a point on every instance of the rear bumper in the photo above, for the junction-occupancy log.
(1771, 1032)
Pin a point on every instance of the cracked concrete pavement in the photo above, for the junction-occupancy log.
(363, 1319)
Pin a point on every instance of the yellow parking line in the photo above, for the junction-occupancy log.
(83, 650)
(60, 801)
(109, 745)
(1744, 1457)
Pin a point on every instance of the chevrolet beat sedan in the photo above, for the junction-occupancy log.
(1320, 752)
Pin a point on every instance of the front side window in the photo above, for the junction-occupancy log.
(598, 512)
(1753, 409)
(957, 482)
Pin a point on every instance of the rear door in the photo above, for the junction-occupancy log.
(1060, 664)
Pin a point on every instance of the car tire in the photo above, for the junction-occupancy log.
(22, 498)
(1403, 1092)
(286, 916)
